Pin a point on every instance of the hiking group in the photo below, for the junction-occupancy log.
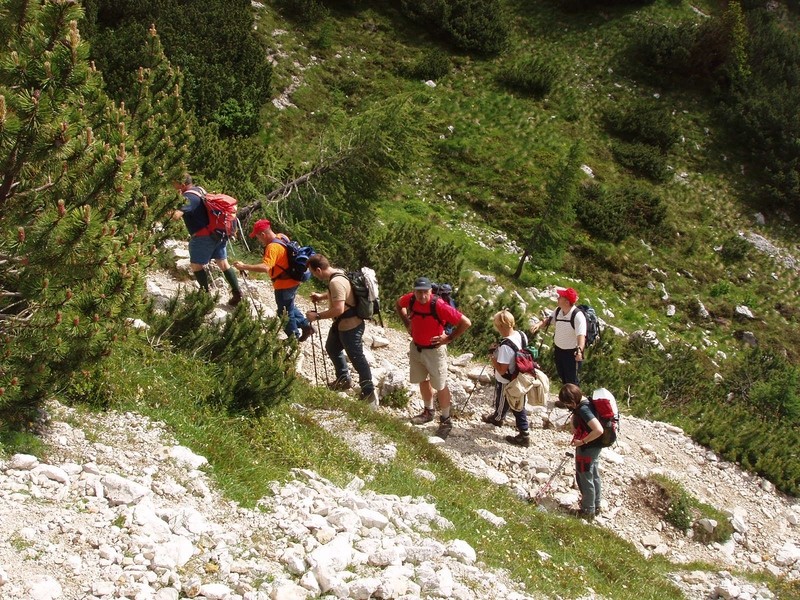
(432, 320)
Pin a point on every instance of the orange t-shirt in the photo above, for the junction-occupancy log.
(277, 262)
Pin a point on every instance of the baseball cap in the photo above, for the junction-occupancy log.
(570, 294)
(259, 226)
(422, 283)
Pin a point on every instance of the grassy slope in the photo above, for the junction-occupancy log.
(502, 147)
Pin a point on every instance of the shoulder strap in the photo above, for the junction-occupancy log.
(434, 301)
(510, 344)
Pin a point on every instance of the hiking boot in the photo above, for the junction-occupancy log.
(340, 385)
(445, 427)
(372, 400)
(581, 514)
(426, 416)
(308, 331)
(492, 420)
(236, 297)
(521, 439)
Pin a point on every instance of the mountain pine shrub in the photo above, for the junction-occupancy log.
(253, 366)
(534, 75)
(75, 208)
(643, 159)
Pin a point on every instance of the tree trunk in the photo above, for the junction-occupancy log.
(521, 264)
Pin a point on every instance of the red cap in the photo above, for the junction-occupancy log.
(570, 294)
(259, 226)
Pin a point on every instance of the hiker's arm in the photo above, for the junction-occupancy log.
(337, 307)
(595, 431)
(501, 368)
(318, 296)
(259, 268)
(403, 314)
(176, 214)
(543, 323)
(581, 345)
(463, 324)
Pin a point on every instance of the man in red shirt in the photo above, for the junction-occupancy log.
(425, 317)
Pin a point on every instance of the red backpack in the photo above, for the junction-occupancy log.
(221, 211)
(604, 406)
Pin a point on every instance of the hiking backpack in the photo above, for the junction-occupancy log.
(604, 407)
(221, 211)
(434, 301)
(592, 322)
(297, 257)
(365, 289)
(523, 357)
(527, 382)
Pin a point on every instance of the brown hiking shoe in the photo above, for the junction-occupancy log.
(492, 420)
(521, 439)
(340, 385)
(445, 427)
(236, 297)
(308, 331)
(426, 416)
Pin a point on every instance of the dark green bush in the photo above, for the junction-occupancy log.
(642, 159)
(403, 253)
(304, 11)
(434, 64)
(643, 122)
(665, 48)
(212, 41)
(254, 366)
(477, 25)
(613, 215)
(734, 249)
(602, 213)
(235, 118)
(472, 25)
(535, 76)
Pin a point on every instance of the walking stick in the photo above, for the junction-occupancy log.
(541, 341)
(466, 402)
(314, 356)
(540, 494)
(321, 349)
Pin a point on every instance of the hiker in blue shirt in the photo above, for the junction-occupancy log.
(203, 246)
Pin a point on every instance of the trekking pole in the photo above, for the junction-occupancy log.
(541, 341)
(466, 402)
(314, 356)
(243, 236)
(556, 473)
(321, 349)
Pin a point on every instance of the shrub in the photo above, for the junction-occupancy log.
(535, 76)
(664, 48)
(472, 25)
(236, 119)
(254, 366)
(734, 249)
(305, 11)
(642, 159)
(402, 253)
(614, 215)
(477, 25)
(643, 122)
(433, 64)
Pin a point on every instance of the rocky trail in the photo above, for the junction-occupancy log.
(122, 511)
